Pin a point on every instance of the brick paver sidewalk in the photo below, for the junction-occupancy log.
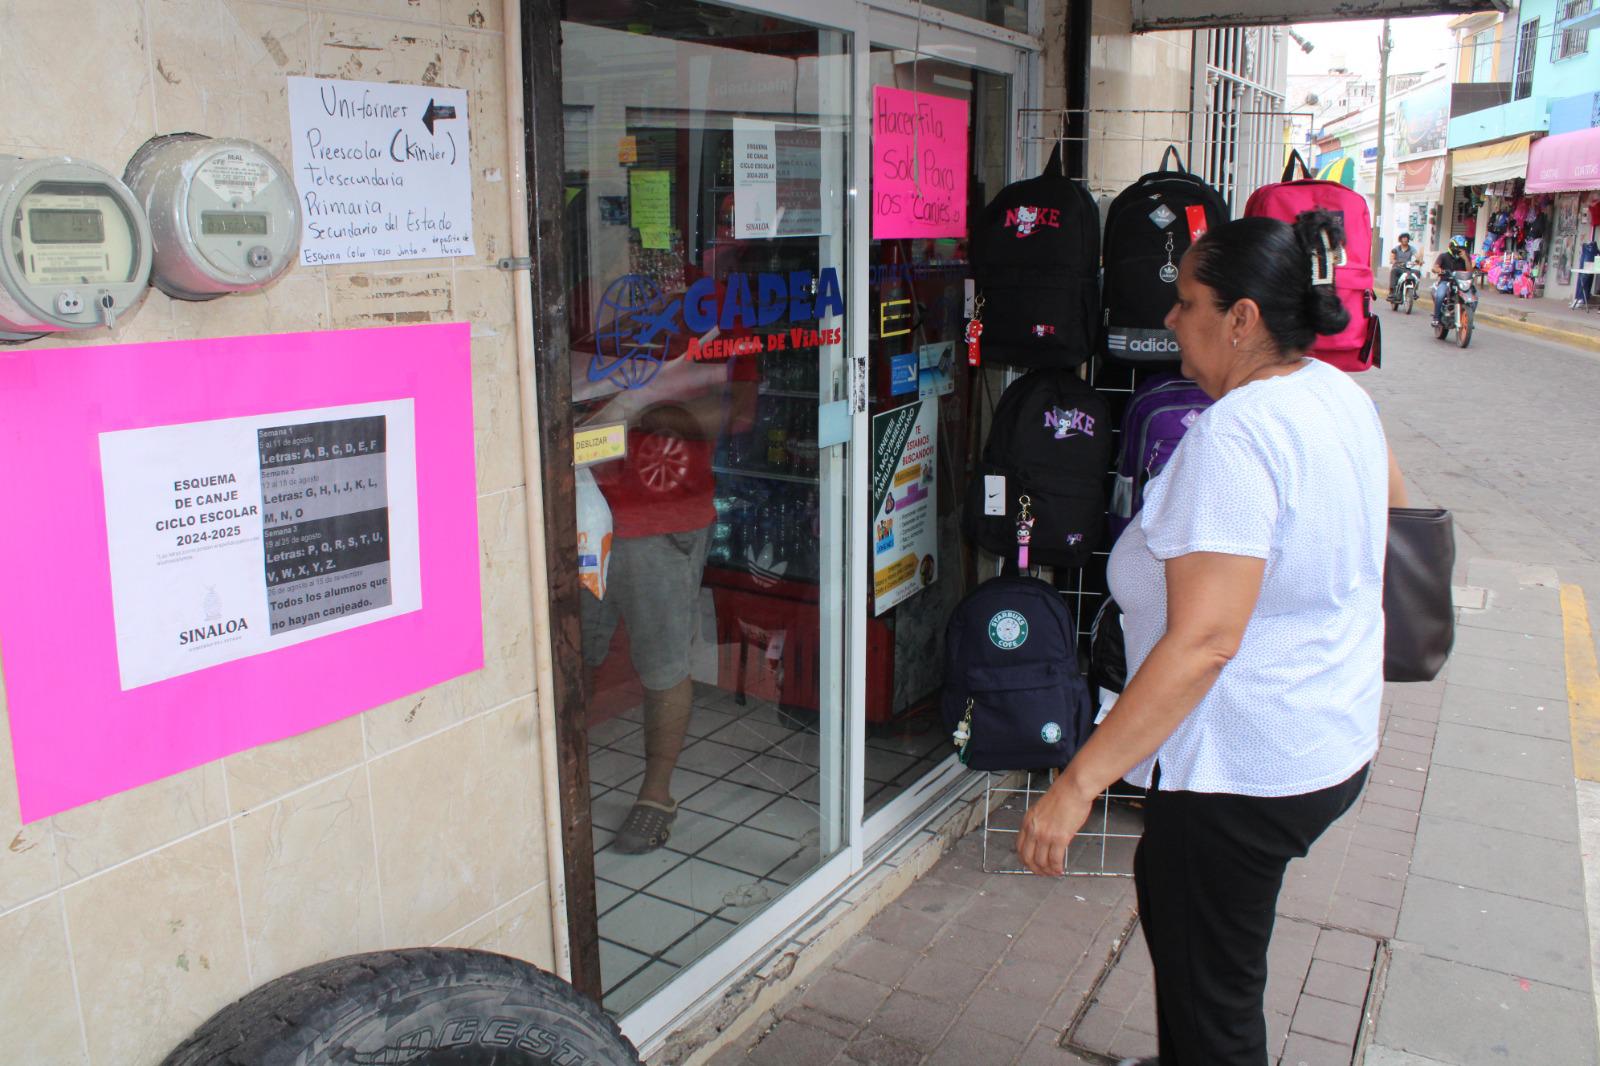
(968, 967)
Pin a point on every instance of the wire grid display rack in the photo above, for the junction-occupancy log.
(1129, 143)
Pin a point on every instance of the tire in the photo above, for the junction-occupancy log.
(1439, 330)
(1410, 300)
(418, 1006)
(1464, 328)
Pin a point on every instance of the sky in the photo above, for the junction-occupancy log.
(1419, 44)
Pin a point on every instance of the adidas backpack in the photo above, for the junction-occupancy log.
(1036, 257)
(1013, 696)
(1149, 226)
(1046, 459)
(1358, 346)
(1158, 414)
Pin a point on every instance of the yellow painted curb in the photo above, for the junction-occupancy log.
(1583, 684)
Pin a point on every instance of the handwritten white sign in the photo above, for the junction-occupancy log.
(382, 171)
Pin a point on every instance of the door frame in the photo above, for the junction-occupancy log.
(945, 36)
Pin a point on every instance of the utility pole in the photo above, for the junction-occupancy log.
(1384, 46)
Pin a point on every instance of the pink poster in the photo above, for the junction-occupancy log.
(919, 165)
(216, 544)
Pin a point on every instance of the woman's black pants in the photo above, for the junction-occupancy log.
(1208, 870)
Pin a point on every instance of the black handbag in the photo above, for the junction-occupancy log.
(1419, 617)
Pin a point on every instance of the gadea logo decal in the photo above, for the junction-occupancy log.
(635, 322)
(1068, 423)
(1008, 630)
(1051, 733)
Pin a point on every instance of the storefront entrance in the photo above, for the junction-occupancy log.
(759, 701)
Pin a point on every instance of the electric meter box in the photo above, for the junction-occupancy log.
(224, 214)
(74, 247)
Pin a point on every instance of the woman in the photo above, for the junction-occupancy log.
(1251, 585)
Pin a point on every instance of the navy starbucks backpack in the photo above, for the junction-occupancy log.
(1036, 257)
(1049, 448)
(1013, 696)
(1149, 226)
(1159, 413)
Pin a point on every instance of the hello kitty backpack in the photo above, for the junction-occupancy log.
(1359, 345)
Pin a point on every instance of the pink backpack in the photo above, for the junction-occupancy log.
(1358, 346)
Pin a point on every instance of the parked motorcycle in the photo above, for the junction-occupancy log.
(1404, 293)
(1459, 305)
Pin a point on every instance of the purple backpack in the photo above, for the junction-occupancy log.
(1159, 413)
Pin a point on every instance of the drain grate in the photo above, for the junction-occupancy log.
(1318, 982)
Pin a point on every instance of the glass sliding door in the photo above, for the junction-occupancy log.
(707, 235)
(917, 291)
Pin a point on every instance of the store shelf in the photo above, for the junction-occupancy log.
(765, 475)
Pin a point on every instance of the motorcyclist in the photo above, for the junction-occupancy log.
(1400, 257)
(1453, 258)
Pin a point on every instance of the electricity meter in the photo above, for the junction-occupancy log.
(74, 247)
(223, 213)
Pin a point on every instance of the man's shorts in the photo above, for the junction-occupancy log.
(653, 585)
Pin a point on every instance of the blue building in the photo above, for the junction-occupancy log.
(1525, 126)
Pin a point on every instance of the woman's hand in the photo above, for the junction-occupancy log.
(1050, 825)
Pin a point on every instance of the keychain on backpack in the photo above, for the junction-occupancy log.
(1169, 273)
(1024, 531)
(974, 331)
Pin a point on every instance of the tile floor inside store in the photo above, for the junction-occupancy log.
(747, 828)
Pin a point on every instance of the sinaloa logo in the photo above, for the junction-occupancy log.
(1008, 630)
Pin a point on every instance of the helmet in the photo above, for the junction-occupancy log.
(1458, 241)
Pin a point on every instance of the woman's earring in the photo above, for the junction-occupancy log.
(1236, 342)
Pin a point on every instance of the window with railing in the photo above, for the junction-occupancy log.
(1569, 43)
(1527, 41)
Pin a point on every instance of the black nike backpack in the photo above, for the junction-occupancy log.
(1013, 696)
(1036, 256)
(1049, 449)
(1149, 226)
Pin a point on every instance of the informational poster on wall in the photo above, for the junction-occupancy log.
(382, 171)
(919, 164)
(905, 503)
(246, 535)
(250, 537)
(777, 180)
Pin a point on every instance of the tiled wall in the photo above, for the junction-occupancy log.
(1148, 73)
(127, 922)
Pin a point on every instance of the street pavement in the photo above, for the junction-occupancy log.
(1445, 921)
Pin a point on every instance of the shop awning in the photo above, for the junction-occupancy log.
(1488, 163)
(1567, 162)
(1187, 15)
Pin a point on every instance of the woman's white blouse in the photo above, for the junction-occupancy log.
(1293, 470)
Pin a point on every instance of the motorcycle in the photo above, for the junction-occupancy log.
(1404, 292)
(1457, 309)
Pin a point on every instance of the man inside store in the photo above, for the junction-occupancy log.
(1400, 257)
(661, 496)
(1453, 258)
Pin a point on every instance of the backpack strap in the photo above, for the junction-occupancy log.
(1288, 170)
(1172, 153)
(1372, 348)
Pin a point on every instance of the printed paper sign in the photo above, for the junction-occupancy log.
(599, 444)
(905, 502)
(755, 179)
(919, 164)
(237, 537)
(650, 206)
(382, 171)
(249, 538)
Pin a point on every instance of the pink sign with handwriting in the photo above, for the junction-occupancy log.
(216, 544)
(919, 164)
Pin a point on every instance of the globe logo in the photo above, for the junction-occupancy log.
(632, 326)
